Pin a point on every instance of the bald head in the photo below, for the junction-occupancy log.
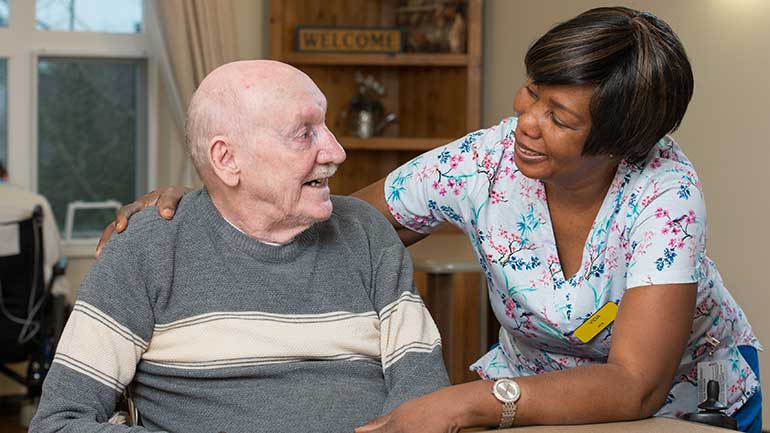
(236, 98)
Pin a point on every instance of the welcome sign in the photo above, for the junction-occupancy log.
(349, 40)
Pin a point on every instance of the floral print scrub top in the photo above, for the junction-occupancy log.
(650, 229)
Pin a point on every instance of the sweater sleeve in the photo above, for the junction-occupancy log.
(104, 339)
(410, 344)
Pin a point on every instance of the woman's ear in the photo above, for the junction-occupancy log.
(223, 162)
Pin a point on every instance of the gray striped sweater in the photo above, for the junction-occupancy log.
(221, 333)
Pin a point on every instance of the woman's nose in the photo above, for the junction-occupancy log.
(528, 122)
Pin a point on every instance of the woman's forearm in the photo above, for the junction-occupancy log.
(582, 395)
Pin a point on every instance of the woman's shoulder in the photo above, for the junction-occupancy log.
(666, 167)
(492, 135)
(667, 156)
(665, 183)
(492, 147)
(504, 130)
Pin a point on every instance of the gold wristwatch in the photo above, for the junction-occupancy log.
(507, 392)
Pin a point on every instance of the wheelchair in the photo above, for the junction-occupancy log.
(31, 319)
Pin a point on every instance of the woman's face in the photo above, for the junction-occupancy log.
(554, 122)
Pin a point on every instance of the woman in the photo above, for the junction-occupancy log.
(584, 214)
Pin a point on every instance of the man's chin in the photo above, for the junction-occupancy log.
(320, 212)
(326, 213)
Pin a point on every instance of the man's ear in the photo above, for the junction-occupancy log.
(223, 162)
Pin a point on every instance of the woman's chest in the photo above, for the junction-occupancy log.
(547, 279)
(571, 228)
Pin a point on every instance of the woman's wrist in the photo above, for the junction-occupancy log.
(477, 405)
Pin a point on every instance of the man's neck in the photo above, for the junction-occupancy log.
(259, 221)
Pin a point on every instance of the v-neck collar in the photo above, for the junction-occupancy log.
(607, 201)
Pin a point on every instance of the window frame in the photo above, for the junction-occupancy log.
(22, 45)
(9, 8)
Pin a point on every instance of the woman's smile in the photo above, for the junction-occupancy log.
(527, 155)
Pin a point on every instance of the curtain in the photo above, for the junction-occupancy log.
(190, 38)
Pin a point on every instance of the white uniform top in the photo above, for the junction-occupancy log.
(650, 230)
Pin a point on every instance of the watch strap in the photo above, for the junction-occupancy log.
(509, 413)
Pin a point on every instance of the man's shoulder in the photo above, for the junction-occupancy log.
(147, 224)
(353, 216)
(351, 208)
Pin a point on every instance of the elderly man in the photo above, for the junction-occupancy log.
(266, 304)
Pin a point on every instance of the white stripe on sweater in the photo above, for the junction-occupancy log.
(406, 328)
(96, 345)
(239, 339)
(227, 339)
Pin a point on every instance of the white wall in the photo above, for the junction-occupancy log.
(725, 132)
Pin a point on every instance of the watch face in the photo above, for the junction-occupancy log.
(506, 390)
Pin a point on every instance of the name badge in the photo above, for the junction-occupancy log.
(597, 322)
(712, 370)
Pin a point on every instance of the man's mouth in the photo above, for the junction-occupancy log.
(317, 183)
(320, 178)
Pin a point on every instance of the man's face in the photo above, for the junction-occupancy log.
(290, 156)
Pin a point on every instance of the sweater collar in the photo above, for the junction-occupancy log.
(234, 237)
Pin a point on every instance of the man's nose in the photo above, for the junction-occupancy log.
(331, 151)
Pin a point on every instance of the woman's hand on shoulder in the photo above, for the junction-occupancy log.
(166, 198)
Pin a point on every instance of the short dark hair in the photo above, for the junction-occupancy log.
(642, 77)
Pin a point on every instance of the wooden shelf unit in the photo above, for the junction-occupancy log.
(437, 96)
(401, 59)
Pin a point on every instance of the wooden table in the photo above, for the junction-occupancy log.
(650, 425)
(450, 281)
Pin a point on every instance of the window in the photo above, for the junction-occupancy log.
(81, 107)
(89, 133)
(115, 16)
(3, 112)
(3, 13)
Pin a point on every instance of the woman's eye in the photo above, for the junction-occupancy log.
(557, 122)
(531, 92)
